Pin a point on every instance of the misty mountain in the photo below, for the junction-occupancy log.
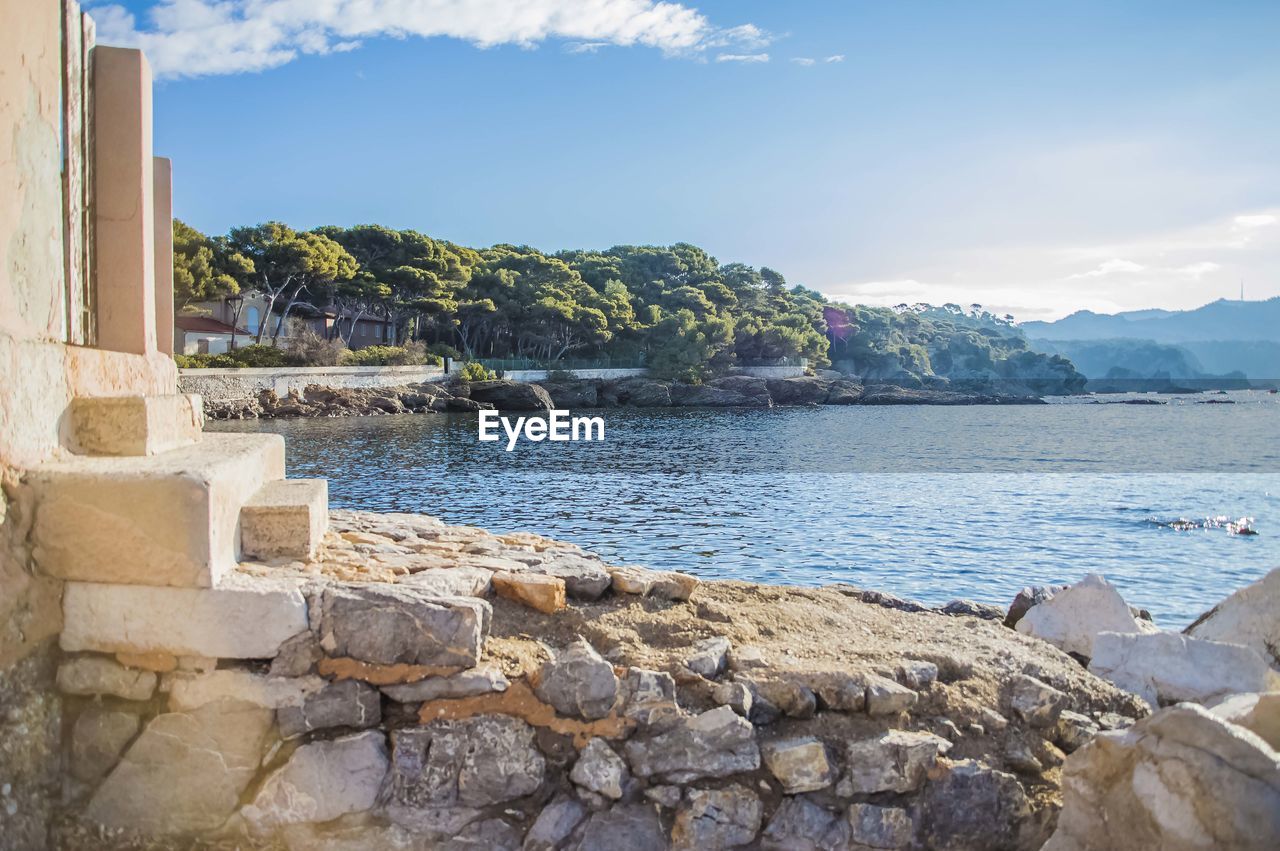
(1221, 320)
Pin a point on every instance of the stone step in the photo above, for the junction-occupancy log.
(168, 519)
(135, 425)
(285, 519)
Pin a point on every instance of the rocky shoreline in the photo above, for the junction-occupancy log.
(730, 391)
(451, 688)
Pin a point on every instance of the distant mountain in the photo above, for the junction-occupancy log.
(1221, 320)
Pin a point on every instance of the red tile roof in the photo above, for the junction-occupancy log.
(205, 324)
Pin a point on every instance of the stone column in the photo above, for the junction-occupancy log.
(163, 168)
(124, 220)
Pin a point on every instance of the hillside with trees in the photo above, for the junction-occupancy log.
(675, 308)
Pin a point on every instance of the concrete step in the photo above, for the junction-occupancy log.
(169, 519)
(285, 519)
(135, 425)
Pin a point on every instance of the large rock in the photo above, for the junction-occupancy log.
(1259, 713)
(800, 765)
(536, 590)
(600, 770)
(94, 675)
(716, 743)
(1250, 616)
(732, 392)
(1031, 595)
(1037, 703)
(638, 393)
(1167, 668)
(1071, 618)
(577, 681)
(584, 578)
(485, 679)
(556, 821)
(874, 826)
(321, 782)
(896, 761)
(844, 393)
(801, 825)
(1181, 779)
(709, 657)
(973, 806)
(472, 763)
(97, 740)
(570, 395)
(185, 772)
(623, 827)
(714, 819)
(511, 395)
(394, 624)
(803, 390)
(346, 703)
(191, 691)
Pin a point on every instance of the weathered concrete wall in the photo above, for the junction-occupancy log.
(226, 385)
(541, 374)
(770, 371)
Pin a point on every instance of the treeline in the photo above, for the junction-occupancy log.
(675, 307)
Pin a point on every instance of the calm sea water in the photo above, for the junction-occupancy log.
(930, 503)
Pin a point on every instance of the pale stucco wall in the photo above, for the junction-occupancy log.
(229, 385)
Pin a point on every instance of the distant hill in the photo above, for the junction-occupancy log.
(1221, 320)
(1221, 339)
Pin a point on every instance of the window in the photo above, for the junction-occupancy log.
(252, 317)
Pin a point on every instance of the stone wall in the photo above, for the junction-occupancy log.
(229, 385)
(527, 375)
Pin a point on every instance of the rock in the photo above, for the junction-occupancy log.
(185, 772)
(1074, 730)
(577, 681)
(97, 740)
(1032, 595)
(734, 391)
(600, 769)
(972, 806)
(554, 824)
(476, 762)
(1167, 667)
(640, 393)
(896, 761)
(1037, 703)
(714, 819)
(156, 661)
(393, 624)
(298, 656)
(584, 579)
(570, 395)
(630, 579)
(511, 395)
(93, 675)
(885, 697)
(992, 719)
(790, 698)
(1072, 617)
(651, 697)
(844, 693)
(747, 658)
(623, 827)
(492, 834)
(1259, 713)
(709, 657)
(486, 679)
(801, 825)
(916, 675)
(673, 585)
(537, 591)
(322, 781)
(734, 695)
(456, 581)
(1020, 758)
(879, 827)
(1250, 616)
(191, 691)
(666, 796)
(844, 393)
(1182, 778)
(346, 703)
(716, 743)
(800, 765)
(802, 390)
(971, 609)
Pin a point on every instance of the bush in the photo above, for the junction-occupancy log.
(444, 350)
(259, 356)
(409, 354)
(472, 371)
(310, 349)
(560, 375)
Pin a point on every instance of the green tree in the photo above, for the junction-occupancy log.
(204, 269)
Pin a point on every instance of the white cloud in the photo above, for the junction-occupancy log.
(804, 60)
(1110, 267)
(747, 58)
(585, 46)
(192, 38)
(839, 57)
(1256, 221)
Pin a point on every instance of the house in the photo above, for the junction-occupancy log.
(250, 314)
(204, 335)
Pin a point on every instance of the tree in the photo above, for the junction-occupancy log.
(286, 263)
(204, 269)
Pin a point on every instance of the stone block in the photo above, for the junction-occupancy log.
(578, 681)
(486, 679)
(897, 761)
(717, 818)
(1037, 703)
(95, 675)
(245, 618)
(191, 691)
(537, 591)
(886, 697)
(398, 624)
(135, 425)
(800, 765)
(286, 518)
(1257, 712)
(469, 763)
(879, 827)
(1073, 617)
(347, 703)
(168, 519)
(1250, 616)
(716, 743)
(322, 781)
(98, 738)
(599, 769)
(1168, 668)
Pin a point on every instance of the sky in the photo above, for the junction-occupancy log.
(1036, 158)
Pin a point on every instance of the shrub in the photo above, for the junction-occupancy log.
(258, 356)
(444, 350)
(472, 371)
(311, 349)
(560, 375)
(409, 354)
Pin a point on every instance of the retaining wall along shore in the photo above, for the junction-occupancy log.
(223, 385)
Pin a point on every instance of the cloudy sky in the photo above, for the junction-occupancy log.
(1035, 158)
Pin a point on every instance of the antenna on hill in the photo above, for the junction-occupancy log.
(1242, 289)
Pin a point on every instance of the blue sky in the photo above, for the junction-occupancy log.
(1034, 157)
